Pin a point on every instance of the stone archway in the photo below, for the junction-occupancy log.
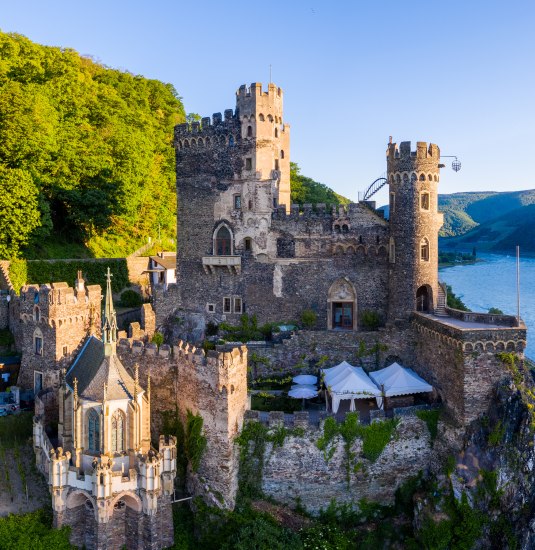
(342, 305)
(424, 299)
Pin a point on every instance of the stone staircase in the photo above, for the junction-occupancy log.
(440, 310)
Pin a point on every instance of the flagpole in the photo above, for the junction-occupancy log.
(518, 284)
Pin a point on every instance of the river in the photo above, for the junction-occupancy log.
(492, 283)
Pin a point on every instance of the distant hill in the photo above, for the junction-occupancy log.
(487, 220)
(501, 234)
(465, 211)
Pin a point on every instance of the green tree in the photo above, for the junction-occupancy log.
(19, 214)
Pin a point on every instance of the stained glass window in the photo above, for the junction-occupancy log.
(117, 432)
(93, 428)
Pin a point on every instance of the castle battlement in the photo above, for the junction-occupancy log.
(208, 126)
(404, 151)
(255, 89)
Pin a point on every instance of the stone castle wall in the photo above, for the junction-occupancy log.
(298, 469)
(212, 385)
(462, 364)
(305, 349)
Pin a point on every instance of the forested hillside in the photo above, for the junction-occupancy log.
(306, 190)
(464, 211)
(86, 163)
(500, 234)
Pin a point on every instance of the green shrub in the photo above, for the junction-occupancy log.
(130, 298)
(33, 530)
(376, 436)
(495, 311)
(308, 319)
(454, 301)
(94, 272)
(195, 441)
(157, 338)
(431, 420)
(370, 320)
(497, 434)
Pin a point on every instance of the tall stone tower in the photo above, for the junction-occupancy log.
(233, 172)
(260, 114)
(414, 224)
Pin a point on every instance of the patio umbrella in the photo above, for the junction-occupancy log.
(306, 386)
(303, 393)
(305, 379)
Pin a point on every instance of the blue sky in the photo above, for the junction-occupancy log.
(458, 73)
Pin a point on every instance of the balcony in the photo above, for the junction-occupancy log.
(232, 263)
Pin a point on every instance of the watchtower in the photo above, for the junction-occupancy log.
(414, 224)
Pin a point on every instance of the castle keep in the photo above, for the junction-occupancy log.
(242, 247)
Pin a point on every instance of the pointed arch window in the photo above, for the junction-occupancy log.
(117, 432)
(223, 241)
(93, 431)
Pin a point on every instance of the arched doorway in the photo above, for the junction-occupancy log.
(342, 305)
(424, 299)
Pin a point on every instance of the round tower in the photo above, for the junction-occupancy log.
(414, 224)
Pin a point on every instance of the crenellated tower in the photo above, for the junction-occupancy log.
(414, 225)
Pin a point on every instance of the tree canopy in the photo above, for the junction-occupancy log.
(306, 190)
(90, 147)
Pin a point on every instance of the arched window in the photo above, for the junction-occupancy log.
(223, 242)
(424, 250)
(270, 118)
(117, 432)
(422, 177)
(248, 244)
(261, 117)
(345, 228)
(276, 132)
(282, 154)
(93, 431)
(36, 314)
(249, 131)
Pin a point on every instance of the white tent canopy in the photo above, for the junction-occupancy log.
(329, 374)
(398, 380)
(349, 382)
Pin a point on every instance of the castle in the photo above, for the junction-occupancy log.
(242, 248)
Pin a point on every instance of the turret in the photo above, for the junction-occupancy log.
(414, 224)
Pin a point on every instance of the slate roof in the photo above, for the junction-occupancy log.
(167, 262)
(93, 369)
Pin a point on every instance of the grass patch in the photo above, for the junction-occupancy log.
(15, 429)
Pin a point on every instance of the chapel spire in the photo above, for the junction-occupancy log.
(109, 319)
